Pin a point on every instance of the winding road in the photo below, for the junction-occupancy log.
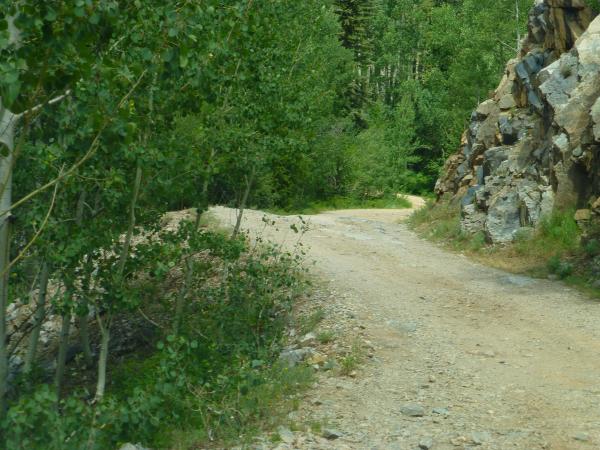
(465, 356)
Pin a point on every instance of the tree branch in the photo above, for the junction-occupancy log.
(91, 151)
(41, 105)
(36, 235)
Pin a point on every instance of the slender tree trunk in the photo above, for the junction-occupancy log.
(189, 263)
(242, 205)
(105, 327)
(84, 334)
(204, 197)
(182, 295)
(40, 313)
(4, 261)
(517, 12)
(131, 226)
(102, 361)
(63, 346)
(8, 122)
(82, 311)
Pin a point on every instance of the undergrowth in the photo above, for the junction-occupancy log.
(216, 382)
(556, 248)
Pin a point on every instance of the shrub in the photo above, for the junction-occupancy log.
(218, 377)
(559, 267)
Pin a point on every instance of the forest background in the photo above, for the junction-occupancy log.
(113, 113)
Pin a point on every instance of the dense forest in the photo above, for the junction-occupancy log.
(115, 112)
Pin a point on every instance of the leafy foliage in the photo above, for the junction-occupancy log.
(124, 110)
(219, 375)
(422, 68)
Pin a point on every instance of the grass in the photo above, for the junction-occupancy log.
(554, 248)
(242, 417)
(350, 362)
(325, 337)
(308, 323)
(337, 203)
(440, 222)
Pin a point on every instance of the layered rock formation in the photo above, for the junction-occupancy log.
(535, 146)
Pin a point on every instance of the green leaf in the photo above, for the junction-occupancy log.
(11, 93)
(183, 61)
(50, 15)
(147, 54)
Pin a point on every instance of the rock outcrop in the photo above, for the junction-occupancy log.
(535, 145)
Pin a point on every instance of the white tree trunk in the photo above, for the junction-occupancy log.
(63, 346)
(105, 327)
(8, 123)
(243, 202)
(102, 362)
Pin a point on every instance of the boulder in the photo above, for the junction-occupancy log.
(588, 46)
(473, 220)
(293, 357)
(574, 116)
(486, 109)
(558, 85)
(503, 217)
(487, 131)
(507, 102)
(568, 181)
(493, 158)
(530, 199)
(568, 19)
(332, 434)
(561, 144)
(583, 215)
(508, 130)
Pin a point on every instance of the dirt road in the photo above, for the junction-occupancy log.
(465, 356)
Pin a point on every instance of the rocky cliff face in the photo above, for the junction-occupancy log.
(535, 146)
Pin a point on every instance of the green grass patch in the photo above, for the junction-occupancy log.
(338, 203)
(440, 222)
(352, 360)
(325, 337)
(309, 323)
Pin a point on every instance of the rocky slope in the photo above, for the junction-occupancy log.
(535, 145)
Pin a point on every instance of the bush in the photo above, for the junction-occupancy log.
(219, 377)
(557, 266)
(592, 247)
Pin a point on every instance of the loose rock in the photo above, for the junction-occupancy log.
(426, 443)
(286, 435)
(413, 410)
(332, 434)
